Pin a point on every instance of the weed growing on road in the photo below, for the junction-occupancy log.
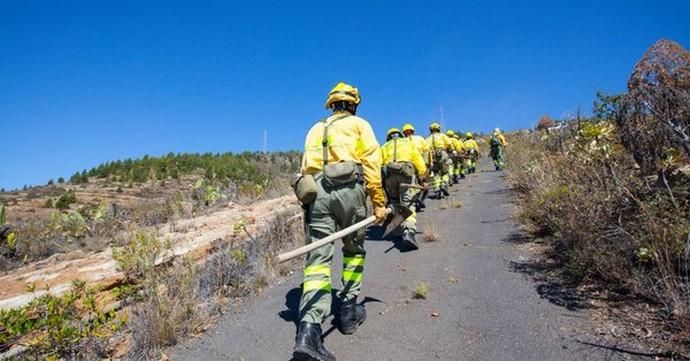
(421, 291)
(450, 203)
(431, 233)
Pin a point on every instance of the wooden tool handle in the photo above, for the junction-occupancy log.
(324, 241)
(413, 186)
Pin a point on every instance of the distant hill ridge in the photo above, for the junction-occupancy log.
(255, 167)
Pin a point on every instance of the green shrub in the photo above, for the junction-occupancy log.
(55, 327)
(63, 202)
(138, 257)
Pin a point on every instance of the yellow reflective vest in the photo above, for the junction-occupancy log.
(403, 150)
(350, 138)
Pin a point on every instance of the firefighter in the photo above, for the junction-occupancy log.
(403, 166)
(472, 151)
(440, 146)
(343, 158)
(423, 148)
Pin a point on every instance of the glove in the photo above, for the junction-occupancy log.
(381, 214)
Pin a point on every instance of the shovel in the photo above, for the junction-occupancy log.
(396, 215)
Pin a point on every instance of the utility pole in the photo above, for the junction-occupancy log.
(265, 141)
(443, 121)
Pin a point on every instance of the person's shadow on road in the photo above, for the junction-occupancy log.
(291, 311)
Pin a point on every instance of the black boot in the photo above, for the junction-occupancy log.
(444, 189)
(350, 316)
(308, 345)
(408, 240)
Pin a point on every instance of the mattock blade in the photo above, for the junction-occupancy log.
(398, 215)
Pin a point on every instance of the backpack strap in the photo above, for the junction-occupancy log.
(395, 149)
(324, 141)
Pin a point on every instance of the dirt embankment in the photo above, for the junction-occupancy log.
(190, 236)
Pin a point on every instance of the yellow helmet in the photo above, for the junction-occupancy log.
(435, 126)
(468, 135)
(450, 133)
(407, 127)
(343, 92)
(392, 131)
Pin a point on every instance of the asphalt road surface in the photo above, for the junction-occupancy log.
(477, 307)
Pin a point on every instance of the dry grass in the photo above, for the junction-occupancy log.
(454, 203)
(430, 232)
(448, 203)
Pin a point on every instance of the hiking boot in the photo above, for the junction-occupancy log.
(308, 344)
(408, 240)
(444, 190)
(350, 316)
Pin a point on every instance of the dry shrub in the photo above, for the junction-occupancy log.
(609, 223)
(169, 310)
(177, 301)
(545, 122)
(654, 116)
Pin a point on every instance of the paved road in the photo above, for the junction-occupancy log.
(485, 310)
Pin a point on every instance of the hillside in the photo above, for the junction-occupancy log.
(89, 211)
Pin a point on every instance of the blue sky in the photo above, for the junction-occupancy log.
(83, 82)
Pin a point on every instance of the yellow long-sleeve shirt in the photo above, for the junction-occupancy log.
(420, 143)
(457, 145)
(403, 150)
(470, 144)
(350, 138)
(438, 141)
(422, 147)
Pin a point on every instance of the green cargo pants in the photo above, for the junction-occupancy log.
(335, 208)
(439, 172)
(403, 196)
(497, 156)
